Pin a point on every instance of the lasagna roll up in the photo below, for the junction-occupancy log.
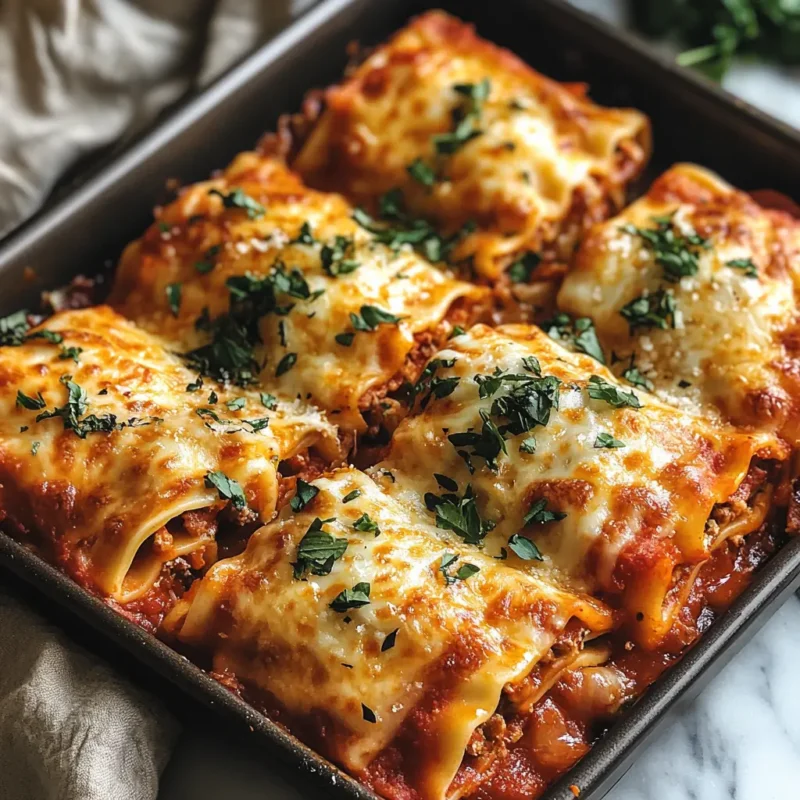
(257, 279)
(694, 287)
(115, 460)
(408, 638)
(471, 134)
(541, 456)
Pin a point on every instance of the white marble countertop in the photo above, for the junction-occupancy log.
(740, 740)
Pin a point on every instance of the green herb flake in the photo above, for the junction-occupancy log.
(174, 298)
(285, 364)
(600, 389)
(389, 640)
(367, 525)
(269, 401)
(350, 496)
(228, 489)
(606, 440)
(421, 172)
(304, 494)
(318, 550)
(746, 265)
(35, 448)
(238, 199)
(524, 548)
(51, 336)
(368, 714)
(523, 268)
(31, 403)
(356, 597)
(539, 514)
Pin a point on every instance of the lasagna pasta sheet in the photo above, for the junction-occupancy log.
(288, 290)
(399, 677)
(717, 332)
(126, 448)
(531, 161)
(623, 483)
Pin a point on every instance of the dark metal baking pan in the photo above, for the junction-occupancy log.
(693, 121)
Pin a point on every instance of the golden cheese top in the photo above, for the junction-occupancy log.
(300, 270)
(526, 148)
(631, 481)
(731, 347)
(129, 448)
(415, 639)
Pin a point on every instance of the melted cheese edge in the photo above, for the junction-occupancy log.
(729, 345)
(103, 496)
(331, 375)
(540, 141)
(652, 496)
(471, 637)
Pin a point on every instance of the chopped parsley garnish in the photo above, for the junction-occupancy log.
(579, 334)
(488, 444)
(457, 331)
(465, 117)
(635, 378)
(524, 548)
(67, 353)
(520, 402)
(389, 640)
(460, 515)
(269, 401)
(231, 425)
(746, 265)
(228, 489)
(432, 385)
(446, 483)
(238, 199)
(207, 263)
(235, 404)
(282, 332)
(600, 389)
(368, 714)
(35, 448)
(335, 260)
(396, 228)
(421, 172)
(528, 445)
(305, 493)
(606, 440)
(305, 236)
(51, 336)
(75, 407)
(371, 317)
(13, 328)
(675, 252)
(539, 514)
(285, 364)
(164, 227)
(344, 339)
(212, 397)
(31, 403)
(318, 550)
(195, 386)
(522, 269)
(350, 496)
(464, 572)
(654, 310)
(356, 597)
(367, 525)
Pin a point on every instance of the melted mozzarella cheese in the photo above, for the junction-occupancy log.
(100, 496)
(633, 513)
(198, 229)
(455, 645)
(734, 349)
(540, 142)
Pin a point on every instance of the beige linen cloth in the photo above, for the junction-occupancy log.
(75, 76)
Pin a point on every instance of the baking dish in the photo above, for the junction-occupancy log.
(232, 114)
